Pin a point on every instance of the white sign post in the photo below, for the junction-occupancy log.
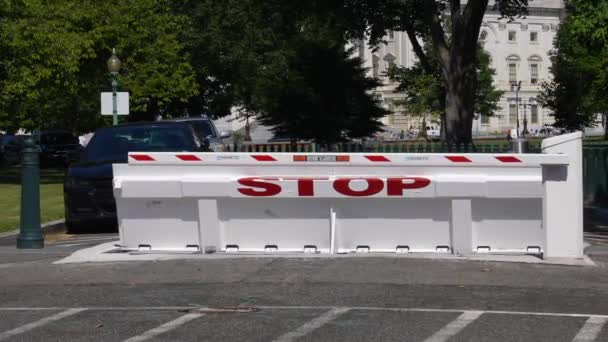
(122, 103)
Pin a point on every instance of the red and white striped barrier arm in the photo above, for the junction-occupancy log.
(359, 159)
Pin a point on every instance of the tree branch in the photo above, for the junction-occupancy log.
(455, 8)
(473, 16)
(432, 20)
(418, 50)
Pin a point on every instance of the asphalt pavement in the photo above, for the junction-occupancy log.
(297, 299)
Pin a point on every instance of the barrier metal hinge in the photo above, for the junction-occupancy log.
(483, 249)
(402, 249)
(232, 248)
(271, 248)
(194, 248)
(442, 249)
(362, 249)
(143, 248)
(310, 249)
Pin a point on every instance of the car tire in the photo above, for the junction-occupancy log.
(75, 227)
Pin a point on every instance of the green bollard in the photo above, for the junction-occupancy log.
(30, 234)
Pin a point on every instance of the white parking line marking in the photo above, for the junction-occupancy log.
(165, 327)
(591, 329)
(304, 307)
(312, 325)
(26, 327)
(454, 327)
(376, 308)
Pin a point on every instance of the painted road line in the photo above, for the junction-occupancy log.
(591, 329)
(165, 327)
(27, 327)
(378, 308)
(312, 325)
(305, 307)
(455, 326)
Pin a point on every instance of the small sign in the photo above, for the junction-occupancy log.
(122, 103)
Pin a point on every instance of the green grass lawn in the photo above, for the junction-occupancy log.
(51, 196)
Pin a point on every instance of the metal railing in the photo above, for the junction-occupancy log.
(379, 147)
(595, 173)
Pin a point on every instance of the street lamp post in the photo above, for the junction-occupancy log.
(525, 132)
(516, 86)
(114, 65)
(520, 144)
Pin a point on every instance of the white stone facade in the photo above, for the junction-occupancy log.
(519, 51)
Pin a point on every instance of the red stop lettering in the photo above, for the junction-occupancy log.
(395, 186)
(374, 186)
(305, 187)
(264, 189)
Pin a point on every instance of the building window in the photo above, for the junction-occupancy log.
(512, 36)
(375, 66)
(483, 35)
(512, 114)
(485, 120)
(391, 35)
(512, 72)
(534, 113)
(534, 73)
(534, 37)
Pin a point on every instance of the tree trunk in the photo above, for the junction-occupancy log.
(460, 100)
(457, 56)
(442, 128)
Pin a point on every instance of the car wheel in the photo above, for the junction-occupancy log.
(75, 227)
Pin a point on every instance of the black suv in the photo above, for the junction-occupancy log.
(206, 131)
(88, 192)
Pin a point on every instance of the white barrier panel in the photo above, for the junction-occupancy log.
(341, 202)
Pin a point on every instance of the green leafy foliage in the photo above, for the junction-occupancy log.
(578, 90)
(53, 56)
(486, 95)
(285, 63)
(324, 96)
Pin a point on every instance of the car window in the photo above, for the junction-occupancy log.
(58, 139)
(115, 143)
(202, 128)
(17, 140)
(11, 140)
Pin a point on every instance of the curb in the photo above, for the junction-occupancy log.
(48, 227)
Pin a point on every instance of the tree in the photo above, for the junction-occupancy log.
(425, 93)
(53, 54)
(580, 67)
(451, 28)
(324, 95)
(285, 63)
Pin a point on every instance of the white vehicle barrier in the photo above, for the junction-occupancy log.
(346, 202)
